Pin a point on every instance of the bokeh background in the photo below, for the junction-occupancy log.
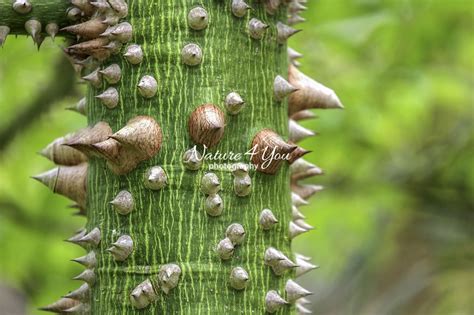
(395, 223)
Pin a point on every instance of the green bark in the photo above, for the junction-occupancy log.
(171, 225)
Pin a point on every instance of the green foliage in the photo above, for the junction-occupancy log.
(392, 231)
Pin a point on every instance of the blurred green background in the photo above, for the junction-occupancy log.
(395, 223)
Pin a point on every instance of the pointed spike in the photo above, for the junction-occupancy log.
(87, 30)
(273, 301)
(281, 266)
(257, 28)
(302, 166)
(192, 159)
(282, 88)
(59, 306)
(293, 54)
(134, 54)
(214, 205)
(297, 200)
(33, 27)
(79, 309)
(94, 78)
(296, 214)
(236, 233)
(143, 295)
(4, 31)
(191, 54)
(198, 18)
(263, 143)
(206, 125)
(273, 256)
(74, 14)
(87, 276)
(297, 154)
(120, 7)
(234, 103)
(92, 238)
(303, 115)
(300, 222)
(123, 203)
(52, 30)
(80, 107)
(60, 154)
(112, 74)
(306, 191)
(142, 134)
(155, 178)
(284, 32)
(267, 219)
(122, 32)
(80, 294)
(114, 47)
(148, 86)
(295, 19)
(84, 139)
(110, 97)
(242, 185)
(301, 310)
(168, 277)
(210, 184)
(239, 8)
(303, 266)
(69, 181)
(89, 260)
(294, 291)
(239, 278)
(295, 230)
(225, 249)
(310, 94)
(122, 248)
(298, 132)
(22, 6)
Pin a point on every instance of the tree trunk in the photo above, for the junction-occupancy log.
(138, 187)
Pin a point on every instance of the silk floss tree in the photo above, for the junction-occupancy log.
(170, 82)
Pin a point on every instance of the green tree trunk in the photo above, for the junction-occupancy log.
(170, 225)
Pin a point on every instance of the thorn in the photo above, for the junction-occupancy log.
(239, 8)
(198, 18)
(298, 132)
(225, 249)
(52, 30)
(109, 97)
(148, 86)
(191, 54)
(92, 238)
(80, 294)
(112, 74)
(267, 219)
(236, 233)
(123, 202)
(4, 31)
(134, 54)
(239, 278)
(310, 94)
(192, 159)
(284, 32)
(87, 276)
(282, 88)
(234, 103)
(210, 184)
(22, 6)
(214, 205)
(168, 277)
(89, 260)
(273, 301)
(294, 291)
(122, 248)
(257, 28)
(206, 125)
